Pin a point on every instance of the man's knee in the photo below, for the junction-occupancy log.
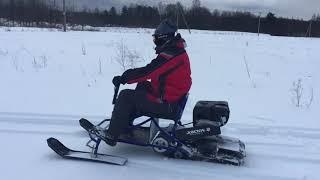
(144, 86)
(131, 97)
(126, 93)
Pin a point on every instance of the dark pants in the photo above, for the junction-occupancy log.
(132, 104)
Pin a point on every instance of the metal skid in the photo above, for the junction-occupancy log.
(95, 141)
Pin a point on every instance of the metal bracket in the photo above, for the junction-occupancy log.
(94, 146)
(94, 142)
(102, 122)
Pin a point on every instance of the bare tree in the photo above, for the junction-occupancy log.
(40, 62)
(161, 10)
(311, 99)
(297, 90)
(83, 49)
(125, 57)
(259, 23)
(12, 11)
(100, 66)
(196, 3)
(248, 72)
(64, 16)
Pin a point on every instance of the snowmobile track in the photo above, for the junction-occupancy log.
(27, 123)
(212, 172)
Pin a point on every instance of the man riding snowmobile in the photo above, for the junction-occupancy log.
(170, 77)
(164, 97)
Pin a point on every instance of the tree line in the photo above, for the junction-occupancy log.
(49, 13)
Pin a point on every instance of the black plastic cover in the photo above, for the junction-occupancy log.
(215, 113)
(198, 132)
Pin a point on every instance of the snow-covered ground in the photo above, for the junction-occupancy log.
(50, 79)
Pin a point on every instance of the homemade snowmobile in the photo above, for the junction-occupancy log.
(203, 141)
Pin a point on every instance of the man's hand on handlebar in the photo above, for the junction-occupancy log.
(117, 80)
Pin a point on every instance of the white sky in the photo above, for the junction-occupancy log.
(288, 8)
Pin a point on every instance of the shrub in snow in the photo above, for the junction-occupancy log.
(16, 64)
(40, 63)
(309, 103)
(297, 91)
(248, 72)
(100, 66)
(83, 49)
(299, 98)
(126, 58)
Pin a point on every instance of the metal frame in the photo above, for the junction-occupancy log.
(170, 135)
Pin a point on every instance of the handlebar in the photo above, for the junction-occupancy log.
(115, 95)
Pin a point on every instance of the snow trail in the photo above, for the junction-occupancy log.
(282, 140)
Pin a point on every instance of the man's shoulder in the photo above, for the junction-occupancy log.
(172, 53)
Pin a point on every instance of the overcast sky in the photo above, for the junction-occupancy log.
(286, 8)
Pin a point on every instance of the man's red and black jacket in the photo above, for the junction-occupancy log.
(169, 73)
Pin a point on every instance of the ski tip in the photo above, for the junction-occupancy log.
(57, 146)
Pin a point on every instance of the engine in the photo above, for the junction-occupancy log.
(214, 113)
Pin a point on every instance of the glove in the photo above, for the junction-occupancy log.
(117, 80)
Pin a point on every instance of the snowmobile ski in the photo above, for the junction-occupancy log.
(67, 153)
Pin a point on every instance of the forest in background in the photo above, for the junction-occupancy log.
(48, 13)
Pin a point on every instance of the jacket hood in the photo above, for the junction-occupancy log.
(177, 43)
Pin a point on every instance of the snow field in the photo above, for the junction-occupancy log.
(50, 79)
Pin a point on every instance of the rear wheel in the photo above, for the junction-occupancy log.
(161, 145)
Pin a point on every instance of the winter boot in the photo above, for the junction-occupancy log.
(107, 138)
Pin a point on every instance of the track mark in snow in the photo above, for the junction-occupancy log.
(41, 119)
(273, 127)
(38, 121)
(47, 115)
(49, 132)
(262, 118)
(287, 158)
(274, 144)
(307, 133)
(210, 171)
